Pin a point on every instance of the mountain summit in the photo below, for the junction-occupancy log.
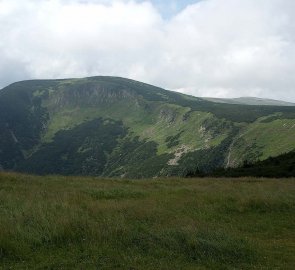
(116, 127)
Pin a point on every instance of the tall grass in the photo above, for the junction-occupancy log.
(55, 222)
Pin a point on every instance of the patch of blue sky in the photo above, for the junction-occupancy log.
(169, 8)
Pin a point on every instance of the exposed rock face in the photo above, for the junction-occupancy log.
(87, 94)
(179, 152)
(167, 115)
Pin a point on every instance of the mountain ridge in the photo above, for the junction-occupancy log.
(243, 100)
(251, 101)
(133, 129)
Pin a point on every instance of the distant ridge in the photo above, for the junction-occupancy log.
(251, 101)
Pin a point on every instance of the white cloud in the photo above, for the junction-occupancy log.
(223, 48)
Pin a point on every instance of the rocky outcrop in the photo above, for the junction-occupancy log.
(88, 94)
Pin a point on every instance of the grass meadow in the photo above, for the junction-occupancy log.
(55, 222)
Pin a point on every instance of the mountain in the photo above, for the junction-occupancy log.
(251, 101)
(116, 127)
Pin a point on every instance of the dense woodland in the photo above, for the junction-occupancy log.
(273, 167)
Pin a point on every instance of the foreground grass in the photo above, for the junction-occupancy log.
(87, 223)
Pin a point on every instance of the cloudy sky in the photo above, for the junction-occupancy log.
(218, 48)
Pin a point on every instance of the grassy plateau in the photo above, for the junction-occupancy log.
(54, 222)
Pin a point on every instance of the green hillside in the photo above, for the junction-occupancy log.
(116, 127)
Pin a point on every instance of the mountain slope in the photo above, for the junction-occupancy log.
(251, 101)
(123, 128)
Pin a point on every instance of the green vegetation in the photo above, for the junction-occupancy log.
(54, 222)
(48, 126)
(135, 159)
(263, 139)
(203, 160)
(280, 166)
(85, 153)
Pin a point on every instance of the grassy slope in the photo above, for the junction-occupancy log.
(266, 138)
(89, 223)
(149, 125)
